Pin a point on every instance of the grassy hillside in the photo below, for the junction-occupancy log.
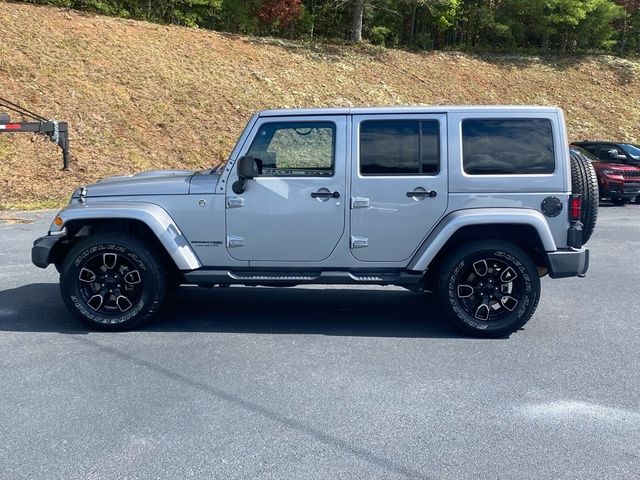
(141, 96)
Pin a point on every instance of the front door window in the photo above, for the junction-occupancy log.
(295, 149)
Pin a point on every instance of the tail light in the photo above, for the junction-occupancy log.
(575, 208)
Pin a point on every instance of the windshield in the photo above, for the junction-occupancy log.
(584, 153)
(631, 150)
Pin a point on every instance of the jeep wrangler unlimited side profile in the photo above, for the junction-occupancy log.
(472, 203)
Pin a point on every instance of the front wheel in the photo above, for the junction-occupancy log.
(619, 201)
(112, 281)
(489, 288)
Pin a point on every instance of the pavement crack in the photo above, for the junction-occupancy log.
(291, 423)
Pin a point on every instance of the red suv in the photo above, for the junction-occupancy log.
(617, 181)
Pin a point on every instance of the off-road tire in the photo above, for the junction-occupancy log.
(459, 268)
(82, 275)
(584, 181)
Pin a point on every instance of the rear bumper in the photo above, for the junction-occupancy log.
(41, 252)
(568, 263)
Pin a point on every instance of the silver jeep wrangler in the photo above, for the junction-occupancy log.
(472, 203)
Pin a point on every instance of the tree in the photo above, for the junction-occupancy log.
(516, 25)
(279, 14)
(597, 29)
(356, 20)
(629, 25)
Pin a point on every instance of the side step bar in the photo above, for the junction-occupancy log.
(222, 277)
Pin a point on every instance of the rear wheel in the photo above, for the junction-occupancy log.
(112, 281)
(489, 288)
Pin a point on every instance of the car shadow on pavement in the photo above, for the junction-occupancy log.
(343, 312)
(609, 204)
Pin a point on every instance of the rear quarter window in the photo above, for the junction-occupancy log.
(507, 146)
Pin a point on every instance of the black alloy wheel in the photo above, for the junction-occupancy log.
(109, 283)
(113, 281)
(489, 288)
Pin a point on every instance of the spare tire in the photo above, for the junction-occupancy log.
(584, 181)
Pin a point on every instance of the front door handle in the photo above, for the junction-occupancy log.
(422, 193)
(324, 193)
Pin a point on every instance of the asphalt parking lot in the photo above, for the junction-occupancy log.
(323, 383)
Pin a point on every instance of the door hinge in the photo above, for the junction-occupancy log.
(235, 241)
(359, 202)
(235, 202)
(359, 242)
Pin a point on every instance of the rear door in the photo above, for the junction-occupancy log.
(398, 183)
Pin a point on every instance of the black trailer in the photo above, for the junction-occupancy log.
(58, 132)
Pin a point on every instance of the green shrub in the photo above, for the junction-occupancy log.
(383, 36)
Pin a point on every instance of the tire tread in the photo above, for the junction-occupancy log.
(449, 264)
(584, 181)
(134, 243)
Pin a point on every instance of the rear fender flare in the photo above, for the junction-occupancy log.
(453, 222)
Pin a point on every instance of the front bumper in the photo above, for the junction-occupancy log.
(568, 263)
(42, 250)
(623, 190)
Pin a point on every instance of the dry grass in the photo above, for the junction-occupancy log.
(140, 96)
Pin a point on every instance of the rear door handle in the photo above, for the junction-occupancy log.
(422, 193)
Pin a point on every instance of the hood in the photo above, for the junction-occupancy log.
(155, 182)
(620, 167)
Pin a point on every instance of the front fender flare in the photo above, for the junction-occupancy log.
(152, 215)
(453, 222)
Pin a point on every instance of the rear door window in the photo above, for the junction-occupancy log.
(508, 146)
(400, 147)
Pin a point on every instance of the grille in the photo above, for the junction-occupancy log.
(631, 173)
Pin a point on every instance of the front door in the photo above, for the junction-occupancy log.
(295, 210)
(398, 183)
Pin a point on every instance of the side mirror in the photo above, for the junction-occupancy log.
(614, 155)
(248, 168)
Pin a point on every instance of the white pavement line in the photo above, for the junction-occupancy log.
(575, 410)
